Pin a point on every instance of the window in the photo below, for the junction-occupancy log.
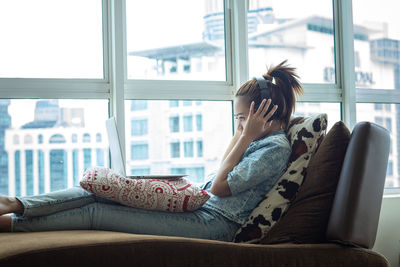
(139, 151)
(86, 138)
(199, 148)
(173, 103)
(75, 167)
(99, 157)
(58, 139)
(87, 158)
(58, 168)
(308, 109)
(40, 139)
(302, 35)
(389, 124)
(40, 172)
(187, 103)
(380, 45)
(175, 150)
(50, 141)
(182, 149)
(187, 123)
(139, 127)
(188, 149)
(29, 172)
(98, 137)
(166, 53)
(51, 42)
(203, 66)
(174, 124)
(199, 124)
(389, 170)
(137, 105)
(379, 120)
(17, 174)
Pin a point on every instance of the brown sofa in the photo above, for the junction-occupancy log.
(352, 230)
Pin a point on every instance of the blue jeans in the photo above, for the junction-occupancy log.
(74, 208)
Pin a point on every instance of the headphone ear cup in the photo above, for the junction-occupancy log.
(271, 106)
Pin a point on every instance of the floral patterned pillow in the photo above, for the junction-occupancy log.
(304, 135)
(152, 194)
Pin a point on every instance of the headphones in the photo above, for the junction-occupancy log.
(263, 85)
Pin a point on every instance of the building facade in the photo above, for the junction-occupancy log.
(51, 152)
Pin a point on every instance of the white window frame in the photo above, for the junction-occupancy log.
(116, 87)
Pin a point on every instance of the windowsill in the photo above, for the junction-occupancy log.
(391, 193)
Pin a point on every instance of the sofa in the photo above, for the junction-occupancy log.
(350, 231)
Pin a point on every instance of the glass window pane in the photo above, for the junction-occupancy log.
(389, 120)
(175, 150)
(302, 34)
(51, 39)
(176, 45)
(377, 41)
(52, 152)
(188, 123)
(138, 105)
(308, 109)
(196, 153)
(139, 151)
(174, 124)
(139, 127)
(188, 149)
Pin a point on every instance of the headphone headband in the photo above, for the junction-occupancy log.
(263, 84)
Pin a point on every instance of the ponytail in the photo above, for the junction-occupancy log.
(284, 89)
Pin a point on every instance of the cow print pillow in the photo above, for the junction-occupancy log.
(304, 135)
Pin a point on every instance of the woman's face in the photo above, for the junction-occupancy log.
(241, 110)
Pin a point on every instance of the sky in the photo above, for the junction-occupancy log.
(63, 38)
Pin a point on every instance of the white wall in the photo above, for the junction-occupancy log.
(388, 237)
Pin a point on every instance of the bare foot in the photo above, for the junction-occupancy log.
(10, 205)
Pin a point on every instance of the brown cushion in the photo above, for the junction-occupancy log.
(307, 218)
(100, 248)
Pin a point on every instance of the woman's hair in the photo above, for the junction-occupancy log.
(283, 89)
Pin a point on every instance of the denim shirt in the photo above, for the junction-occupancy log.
(262, 164)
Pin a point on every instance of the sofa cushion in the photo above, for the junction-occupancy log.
(152, 194)
(304, 135)
(307, 218)
(103, 248)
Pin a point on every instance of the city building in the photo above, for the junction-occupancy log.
(52, 151)
(176, 136)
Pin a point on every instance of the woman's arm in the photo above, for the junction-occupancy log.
(255, 126)
(220, 186)
(233, 142)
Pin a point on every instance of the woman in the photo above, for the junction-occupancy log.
(254, 160)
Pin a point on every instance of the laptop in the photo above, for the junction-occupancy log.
(118, 159)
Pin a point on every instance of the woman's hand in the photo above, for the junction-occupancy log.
(257, 124)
